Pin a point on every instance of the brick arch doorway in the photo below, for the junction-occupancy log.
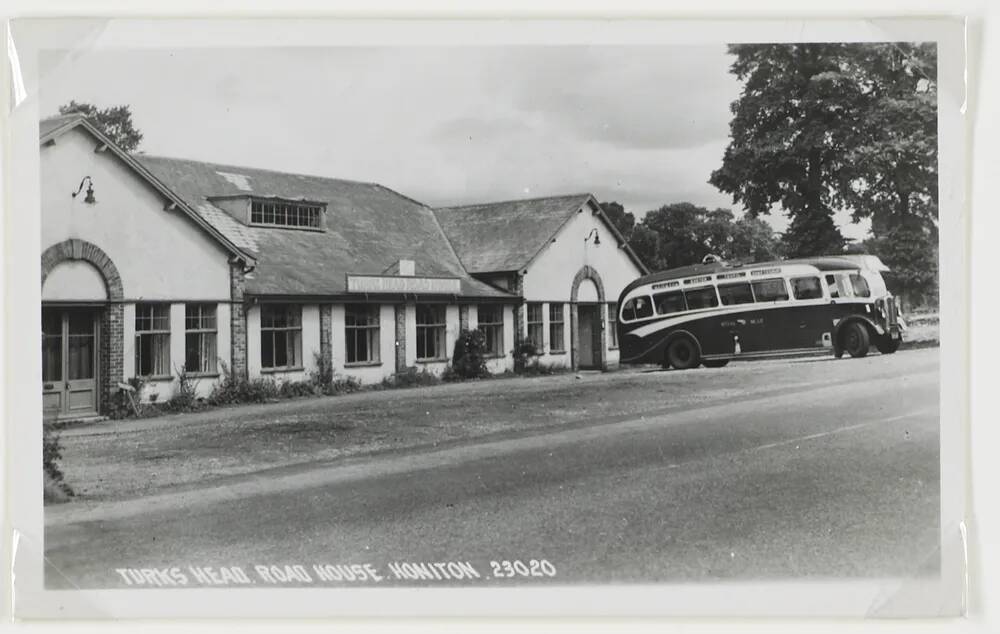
(588, 336)
(82, 319)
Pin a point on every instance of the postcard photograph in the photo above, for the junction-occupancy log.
(476, 307)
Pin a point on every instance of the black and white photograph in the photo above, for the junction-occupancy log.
(500, 306)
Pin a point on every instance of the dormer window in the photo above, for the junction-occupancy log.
(280, 213)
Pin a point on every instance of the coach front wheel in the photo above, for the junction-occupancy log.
(887, 345)
(856, 340)
(682, 354)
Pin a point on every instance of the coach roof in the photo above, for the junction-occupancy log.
(821, 263)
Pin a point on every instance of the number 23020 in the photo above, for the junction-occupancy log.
(517, 568)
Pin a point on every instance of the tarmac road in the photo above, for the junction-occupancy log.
(838, 480)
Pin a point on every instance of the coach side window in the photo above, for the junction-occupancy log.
(672, 302)
(831, 283)
(806, 288)
(770, 290)
(701, 298)
(637, 308)
(732, 294)
(860, 285)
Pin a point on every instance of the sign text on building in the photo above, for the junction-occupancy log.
(403, 284)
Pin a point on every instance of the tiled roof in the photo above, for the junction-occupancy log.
(368, 228)
(50, 124)
(506, 236)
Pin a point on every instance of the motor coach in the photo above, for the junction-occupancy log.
(713, 312)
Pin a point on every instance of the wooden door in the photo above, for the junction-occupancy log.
(69, 362)
(587, 323)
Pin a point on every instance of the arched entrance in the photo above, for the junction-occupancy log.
(82, 318)
(587, 306)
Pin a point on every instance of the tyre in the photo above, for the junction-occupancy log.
(715, 363)
(887, 345)
(855, 340)
(682, 354)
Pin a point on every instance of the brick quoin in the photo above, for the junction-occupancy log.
(326, 334)
(400, 337)
(237, 320)
(111, 332)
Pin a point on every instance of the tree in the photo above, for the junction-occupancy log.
(622, 220)
(822, 127)
(781, 150)
(115, 122)
(683, 233)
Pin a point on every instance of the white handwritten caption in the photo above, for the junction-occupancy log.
(298, 574)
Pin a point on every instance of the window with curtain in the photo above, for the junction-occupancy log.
(152, 340)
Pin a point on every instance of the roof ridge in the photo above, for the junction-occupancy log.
(518, 200)
(142, 155)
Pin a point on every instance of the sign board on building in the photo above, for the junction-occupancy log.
(403, 284)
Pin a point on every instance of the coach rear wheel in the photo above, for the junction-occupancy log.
(715, 363)
(887, 345)
(682, 354)
(856, 340)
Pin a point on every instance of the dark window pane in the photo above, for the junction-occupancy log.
(52, 356)
(637, 308)
(806, 288)
(667, 303)
(701, 298)
(267, 349)
(732, 294)
(81, 357)
(831, 283)
(860, 285)
(770, 290)
(280, 348)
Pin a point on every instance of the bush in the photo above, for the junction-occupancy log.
(469, 358)
(232, 390)
(410, 377)
(525, 357)
(185, 397)
(56, 489)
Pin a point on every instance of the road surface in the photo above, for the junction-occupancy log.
(837, 479)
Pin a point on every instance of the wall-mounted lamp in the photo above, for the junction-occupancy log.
(89, 198)
(593, 234)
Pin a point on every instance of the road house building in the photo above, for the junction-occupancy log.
(154, 266)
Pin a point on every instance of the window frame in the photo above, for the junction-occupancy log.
(635, 317)
(202, 331)
(439, 328)
(784, 285)
(372, 332)
(493, 332)
(152, 332)
(295, 330)
(266, 213)
(701, 289)
(795, 290)
(532, 324)
(749, 289)
(679, 293)
(561, 324)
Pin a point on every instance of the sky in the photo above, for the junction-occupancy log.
(640, 125)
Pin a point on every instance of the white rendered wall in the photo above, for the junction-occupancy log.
(160, 255)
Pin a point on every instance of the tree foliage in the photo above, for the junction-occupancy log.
(115, 122)
(821, 127)
(824, 127)
(623, 220)
(683, 233)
